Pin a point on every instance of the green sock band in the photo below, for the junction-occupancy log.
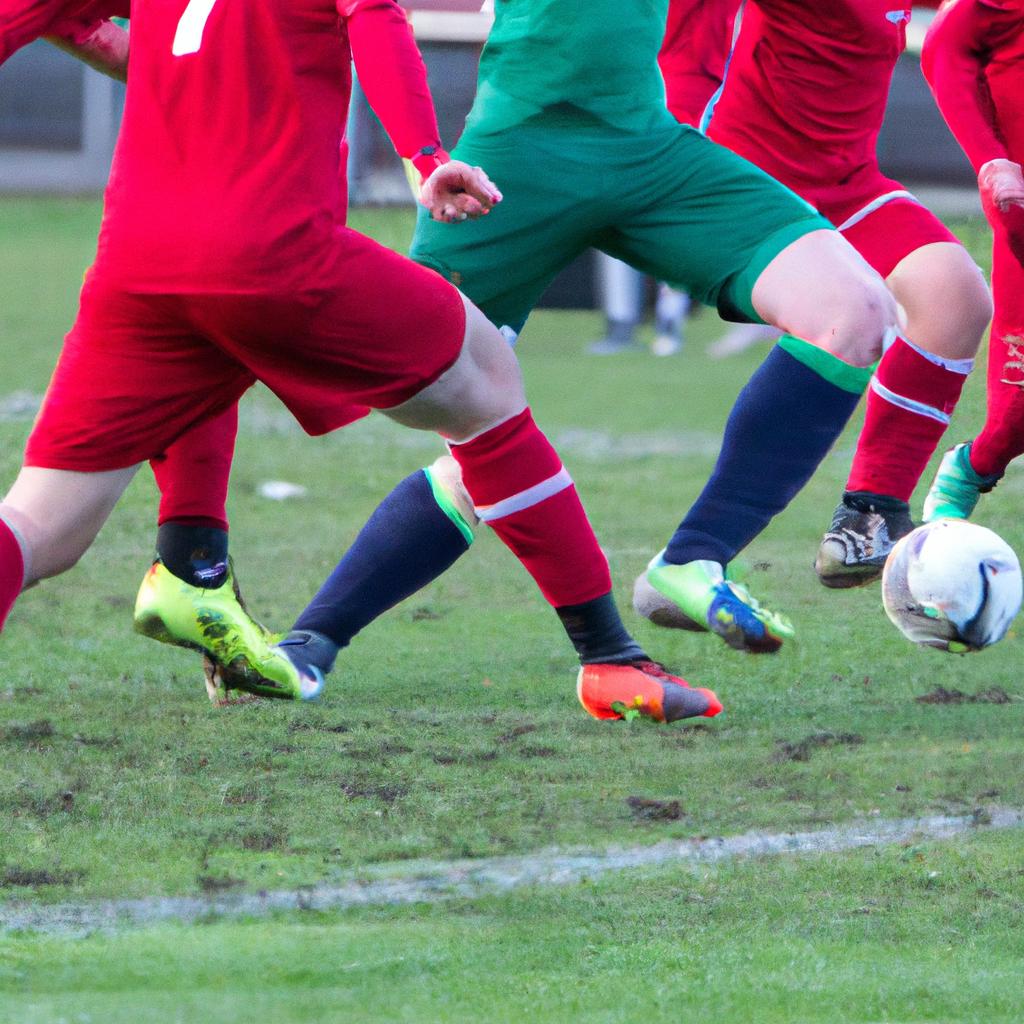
(831, 368)
(448, 506)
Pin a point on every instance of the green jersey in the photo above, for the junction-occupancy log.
(598, 58)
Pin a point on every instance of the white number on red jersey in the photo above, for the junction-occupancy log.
(189, 36)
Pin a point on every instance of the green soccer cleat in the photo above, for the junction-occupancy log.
(215, 622)
(697, 596)
(955, 491)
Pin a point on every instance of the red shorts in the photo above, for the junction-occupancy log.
(139, 370)
(888, 228)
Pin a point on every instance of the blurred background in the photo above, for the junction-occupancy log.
(59, 121)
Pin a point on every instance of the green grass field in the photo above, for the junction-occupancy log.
(450, 729)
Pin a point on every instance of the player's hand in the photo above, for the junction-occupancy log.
(1002, 184)
(455, 191)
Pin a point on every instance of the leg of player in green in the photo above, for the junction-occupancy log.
(759, 250)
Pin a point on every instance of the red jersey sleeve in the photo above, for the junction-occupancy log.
(954, 57)
(24, 21)
(393, 77)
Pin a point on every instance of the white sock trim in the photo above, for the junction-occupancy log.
(526, 499)
(909, 404)
(961, 366)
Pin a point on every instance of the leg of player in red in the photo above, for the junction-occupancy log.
(513, 475)
(915, 388)
(192, 577)
(971, 469)
(973, 59)
(514, 481)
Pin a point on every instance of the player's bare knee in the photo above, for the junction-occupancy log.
(856, 328)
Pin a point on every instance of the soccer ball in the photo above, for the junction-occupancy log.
(952, 585)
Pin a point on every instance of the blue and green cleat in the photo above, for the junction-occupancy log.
(215, 622)
(955, 491)
(697, 596)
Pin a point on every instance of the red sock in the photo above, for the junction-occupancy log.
(521, 490)
(193, 474)
(1002, 437)
(910, 400)
(12, 570)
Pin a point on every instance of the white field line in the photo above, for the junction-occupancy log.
(430, 881)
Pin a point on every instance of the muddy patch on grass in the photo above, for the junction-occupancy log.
(453, 757)
(36, 877)
(29, 732)
(304, 726)
(802, 749)
(211, 884)
(645, 809)
(993, 695)
(388, 792)
(535, 751)
(514, 734)
(264, 840)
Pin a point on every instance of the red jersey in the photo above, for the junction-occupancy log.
(24, 21)
(806, 90)
(698, 37)
(227, 176)
(973, 58)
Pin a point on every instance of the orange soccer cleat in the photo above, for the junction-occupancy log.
(642, 689)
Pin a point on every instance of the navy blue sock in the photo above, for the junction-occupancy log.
(783, 424)
(413, 536)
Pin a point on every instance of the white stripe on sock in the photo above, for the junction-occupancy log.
(908, 403)
(525, 499)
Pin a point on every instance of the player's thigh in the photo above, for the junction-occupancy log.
(132, 377)
(504, 261)
(708, 221)
(482, 388)
(376, 330)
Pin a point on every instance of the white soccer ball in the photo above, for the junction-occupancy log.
(952, 585)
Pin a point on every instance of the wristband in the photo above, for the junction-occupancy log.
(428, 159)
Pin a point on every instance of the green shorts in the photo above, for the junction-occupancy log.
(672, 204)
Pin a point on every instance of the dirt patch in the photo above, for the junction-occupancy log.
(104, 742)
(35, 877)
(238, 796)
(802, 750)
(530, 751)
(17, 692)
(645, 809)
(425, 614)
(263, 840)
(389, 792)
(514, 734)
(465, 757)
(304, 726)
(31, 732)
(218, 883)
(940, 695)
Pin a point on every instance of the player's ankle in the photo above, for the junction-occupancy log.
(305, 648)
(598, 634)
(198, 555)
